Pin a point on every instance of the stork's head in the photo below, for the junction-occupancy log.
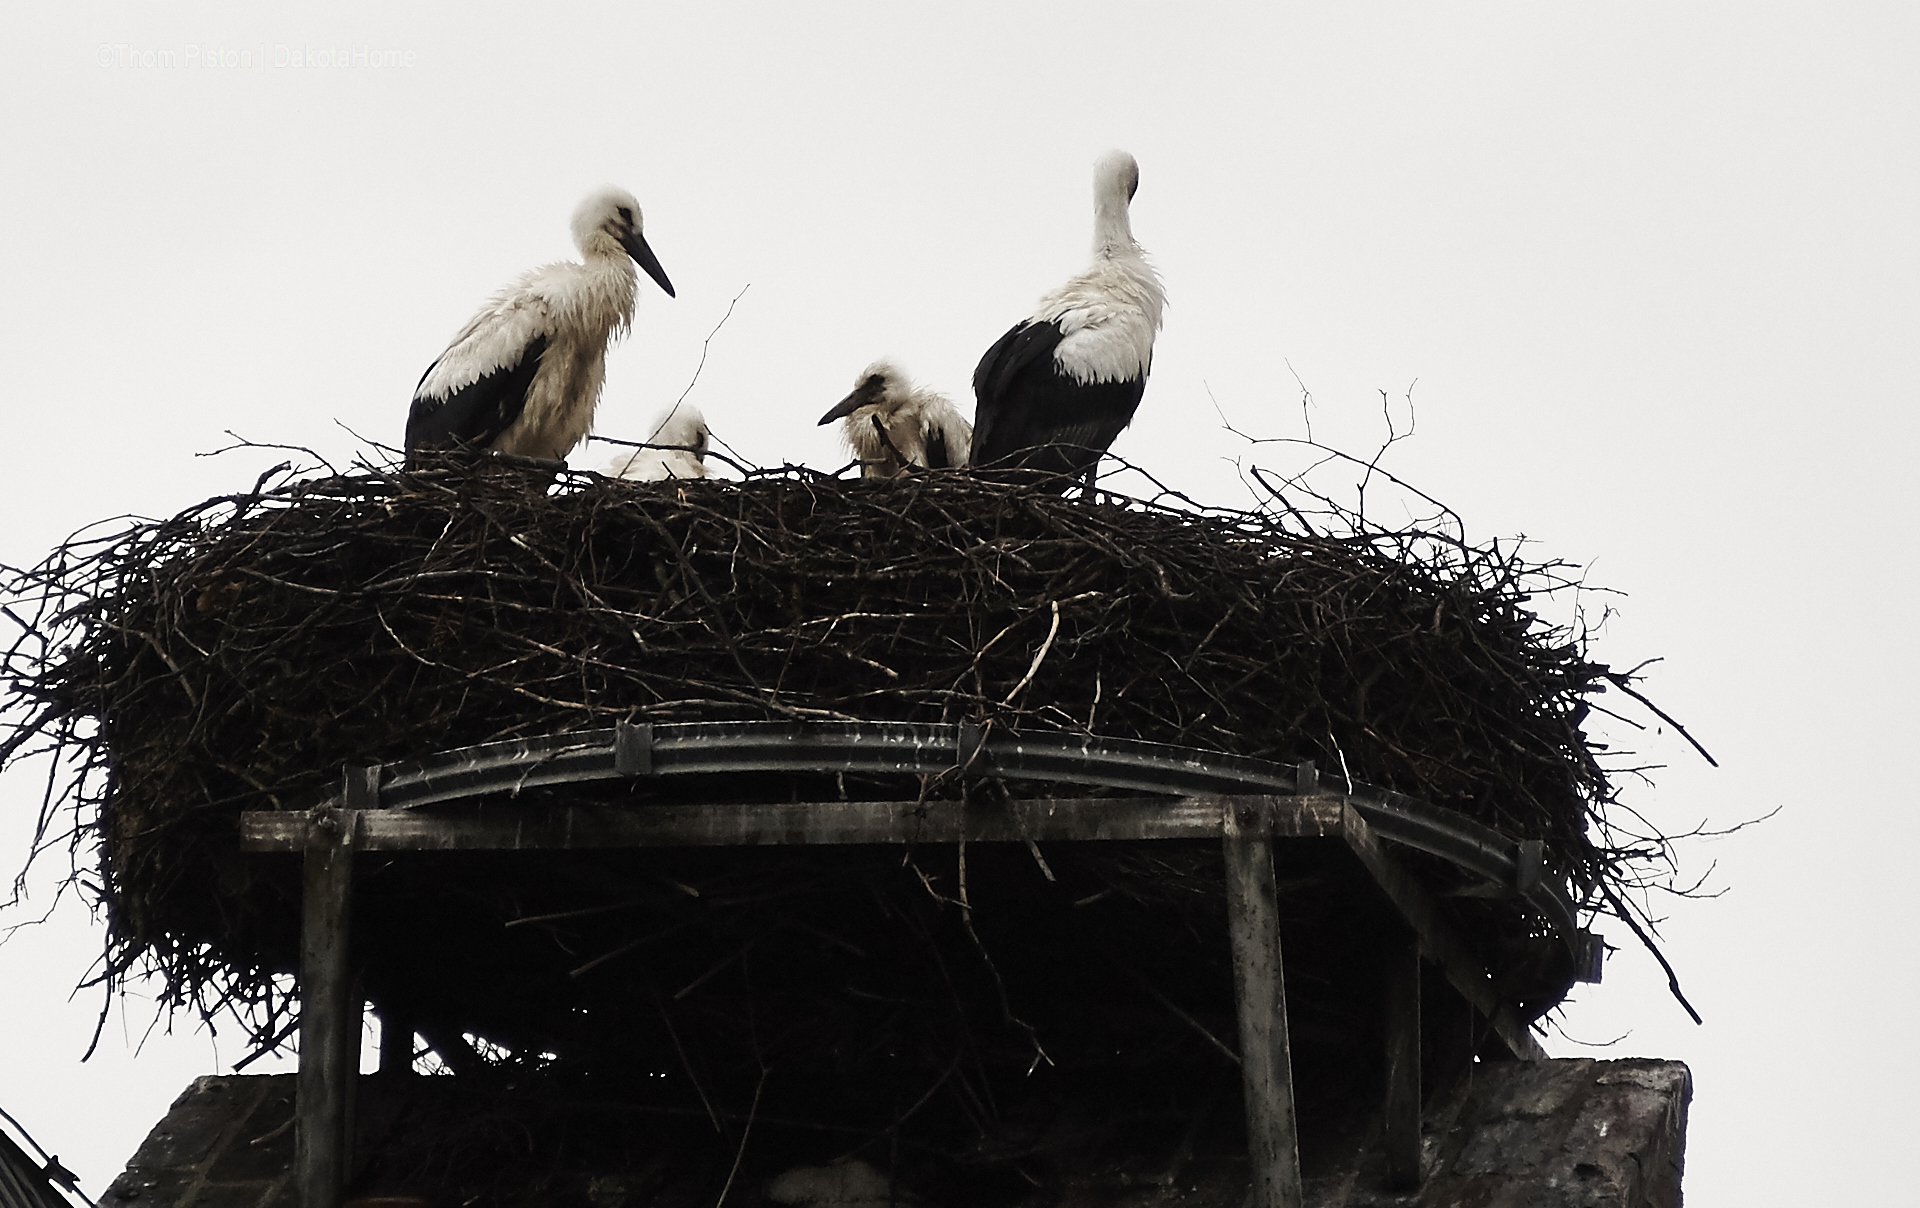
(607, 223)
(1116, 175)
(683, 427)
(882, 386)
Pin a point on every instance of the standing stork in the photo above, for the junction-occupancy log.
(1052, 393)
(524, 375)
(889, 424)
(681, 437)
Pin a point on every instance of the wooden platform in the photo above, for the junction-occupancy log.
(475, 809)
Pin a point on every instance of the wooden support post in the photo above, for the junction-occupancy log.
(396, 1040)
(1253, 924)
(1440, 942)
(1401, 1111)
(329, 1015)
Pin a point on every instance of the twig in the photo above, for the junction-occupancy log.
(704, 345)
(1673, 979)
(688, 1066)
(702, 980)
(745, 1132)
(1619, 680)
(1039, 657)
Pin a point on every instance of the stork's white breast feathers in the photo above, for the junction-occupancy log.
(1107, 317)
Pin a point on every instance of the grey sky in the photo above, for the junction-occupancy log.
(1653, 267)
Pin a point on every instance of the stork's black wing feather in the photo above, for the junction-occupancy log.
(1023, 351)
(1025, 345)
(934, 440)
(1030, 415)
(476, 414)
(1058, 426)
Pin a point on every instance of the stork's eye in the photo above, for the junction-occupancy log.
(876, 382)
(626, 215)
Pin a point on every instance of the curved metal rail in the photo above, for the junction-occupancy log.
(707, 748)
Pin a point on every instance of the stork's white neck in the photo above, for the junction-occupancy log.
(1112, 228)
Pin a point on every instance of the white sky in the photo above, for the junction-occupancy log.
(1653, 267)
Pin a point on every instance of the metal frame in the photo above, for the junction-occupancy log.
(1246, 803)
(704, 748)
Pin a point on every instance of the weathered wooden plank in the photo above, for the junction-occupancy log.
(1438, 940)
(496, 827)
(1401, 1111)
(1259, 981)
(329, 1027)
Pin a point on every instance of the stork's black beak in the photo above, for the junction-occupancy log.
(636, 245)
(867, 393)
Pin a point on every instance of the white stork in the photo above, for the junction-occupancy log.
(1053, 393)
(524, 375)
(682, 428)
(889, 423)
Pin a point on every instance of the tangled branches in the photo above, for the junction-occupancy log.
(239, 653)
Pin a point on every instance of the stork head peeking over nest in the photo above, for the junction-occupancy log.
(684, 430)
(889, 424)
(524, 375)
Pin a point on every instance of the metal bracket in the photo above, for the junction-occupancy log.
(633, 748)
(1529, 866)
(1589, 954)
(967, 749)
(360, 787)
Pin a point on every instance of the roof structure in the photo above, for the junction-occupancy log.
(1598, 1134)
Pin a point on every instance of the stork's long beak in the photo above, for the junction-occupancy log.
(636, 245)
(865, 395)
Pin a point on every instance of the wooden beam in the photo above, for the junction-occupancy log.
(1259, 982)
(1401, 1111)
(452, 1049)
(1438, 940)
(507, 827)
(396, 1040)
(329, 1026)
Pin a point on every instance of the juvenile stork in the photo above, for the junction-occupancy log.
(1052, 393)
(681, 427)
(889, 423)
(524, 375)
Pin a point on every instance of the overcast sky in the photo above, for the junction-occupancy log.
(1652, 266)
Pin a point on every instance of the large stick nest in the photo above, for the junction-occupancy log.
(237, 655)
